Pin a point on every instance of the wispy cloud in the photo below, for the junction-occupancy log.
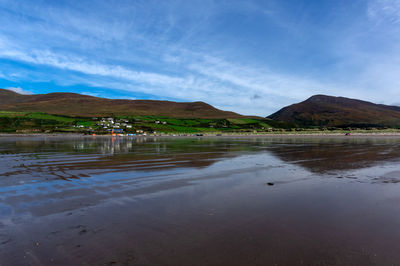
(205, 76)
(19, 90)
(384, 10)
(252, 57)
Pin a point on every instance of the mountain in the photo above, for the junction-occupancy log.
(77, 105)
(322, 110)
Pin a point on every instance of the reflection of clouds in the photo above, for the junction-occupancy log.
(38, 160)
(95, 154)
(41, 160)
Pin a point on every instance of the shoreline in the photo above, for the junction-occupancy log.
(205, 135)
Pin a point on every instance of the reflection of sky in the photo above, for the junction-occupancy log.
(27, 196)
(31, 180)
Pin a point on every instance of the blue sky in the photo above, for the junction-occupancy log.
(251, 57)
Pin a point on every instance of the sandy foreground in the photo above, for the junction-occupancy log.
(200, 201)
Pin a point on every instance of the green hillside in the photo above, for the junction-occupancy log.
(24, 122)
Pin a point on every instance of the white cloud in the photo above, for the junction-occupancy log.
(165, 52)
(178, 73)
(258, 80)
(91, 68)
(19, 90)
(94, 94)
(384, 10)
(223, 84)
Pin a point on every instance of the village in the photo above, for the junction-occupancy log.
(119, 126)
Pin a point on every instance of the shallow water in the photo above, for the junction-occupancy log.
(199, 201)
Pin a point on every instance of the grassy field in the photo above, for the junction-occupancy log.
(193, 125)
(27, 122)
(37, 122)
(42, 122)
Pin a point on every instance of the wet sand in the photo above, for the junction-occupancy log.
(199, 201)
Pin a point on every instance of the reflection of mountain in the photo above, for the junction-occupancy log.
(34, 172)
(73, 158)
(51, 175)
(80, 157)
(322, 155)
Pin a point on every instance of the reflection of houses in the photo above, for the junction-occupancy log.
(117, 130)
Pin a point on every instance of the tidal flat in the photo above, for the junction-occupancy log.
(200, 201)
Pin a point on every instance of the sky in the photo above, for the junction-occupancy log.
(251, 57)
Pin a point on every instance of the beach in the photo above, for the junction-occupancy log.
(329, 200)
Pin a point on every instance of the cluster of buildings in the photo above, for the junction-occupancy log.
(160, 122)
(119, 126)
(111, 123)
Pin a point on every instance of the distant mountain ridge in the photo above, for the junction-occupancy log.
(78, 105)
(330, 111)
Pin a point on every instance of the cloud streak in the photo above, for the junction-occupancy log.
(191, 52)
(19, 90)
(206, 77)
(384, 10)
